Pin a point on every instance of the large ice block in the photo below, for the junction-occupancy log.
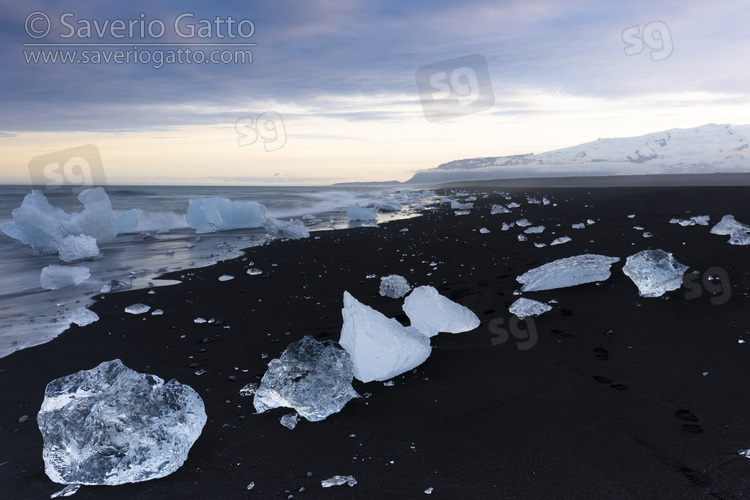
(727, 224)
(570, 271)
(314, 378)
(380, 347)
(223, 214)
(355, 212)
(111, 425)
(54, 277)
(654, 272)
(293, 229)
(432, 313)
(78, 247)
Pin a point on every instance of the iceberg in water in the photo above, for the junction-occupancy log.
(43, 226)
(54, 277)
(75, 248)
(570, 271)
(222, 214)
(526, 307)
(654, 272)
(380, 347)
(394, 286)
(432, 313)
(314, 378)
(355, 212)
(111, 425)
(293, 229)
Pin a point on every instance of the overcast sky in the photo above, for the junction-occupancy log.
(335, 83)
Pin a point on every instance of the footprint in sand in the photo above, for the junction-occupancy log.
(609, 381)
(691, 424)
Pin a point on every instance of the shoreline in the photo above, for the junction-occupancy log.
(583, 413)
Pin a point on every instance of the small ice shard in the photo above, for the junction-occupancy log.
(380, 347)
(394, 286)
(293, 229)
(68, 491)
(432, 313)
(78, 247)
(83, 317)
(314, 378)
(534, 230)
(254, 271)
(427, 192)
(570, 271)
(545, 201)
(532, 201)
(127, 221)
(590, 221)
(682, 222)
(111, 425)
(526, 307)
(701, 220)
(54, 277)
(137, 309)
(457, 205)
(540, 245)
(744, 453)
(646, 234)
(484, 230)
(249, 389)
(498, 209)
(522, 237)
(115, 285)
(579, 225)
(220, 214)
(726, 224)
(513, 205)
(199, 320)
(355, 212)
(157, 312)
(226, 277)
(739, 237)
(561, 240)
(289, 420)
(523, 223)
(462, 212)
(338, 481)
(654, 272)
(505, 227)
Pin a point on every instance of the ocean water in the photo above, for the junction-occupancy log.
(30, 315)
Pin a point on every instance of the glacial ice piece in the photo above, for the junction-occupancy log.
(701, 220)
(338, 481)
(355, 212)
(43, 226)
(290, 420)
(394, 286)
(432, 313)
(526, 307)
(739, 236)
(54, 277)
(523, 223)
(570, 271)
(484, 230)
(726, 224)
(293, 229)
(498, 209)
(111, 425)
(522, 237)
(380, 347)
(654, 272)
(223, 214)
(579, 225)
(80, 247)
(561, 240)
(137, 309)
(388, 206)
(314, 378)
(457, 205)
(513, 204)
(127, 221)
(82, 317)
(534, 230)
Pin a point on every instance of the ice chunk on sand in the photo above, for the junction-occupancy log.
(527, 307)
(513, 205)
(484, 230)
(127, 221)
(579, 225)
(293, 229)
(388, 206)
(314, 378)
(726, 224)
(137, 309)
(111, 425)
(338, 481)
(380, 347)
(701, 220)
(523, 223)
(355, 212)
(457, 205)
(570, 271)
(498, 209)
(43, 226)
(223, 214)
(54, 277)
(83, 317)
(534, 230)
(289, 420)
(394, 286)
(79, 247)
(432, 313)
(739, 237)
(654, 272)
(561, 240)
(226, 277)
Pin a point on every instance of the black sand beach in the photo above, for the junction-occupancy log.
(618, 396)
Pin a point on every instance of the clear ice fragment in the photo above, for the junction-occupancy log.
(78, 247)
(498, 209)
(526, 307)
(355, 212)
(570, 271)
(654, 272)
(54, 277)
(137, 309)
(293, 229)
(431, 313)
(290, 420)
(220, 214)
(338, 481)
(83, 317)
(394, 286)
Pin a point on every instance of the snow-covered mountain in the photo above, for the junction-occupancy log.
(705, 149)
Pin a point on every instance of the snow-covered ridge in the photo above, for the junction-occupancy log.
(706, 149)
